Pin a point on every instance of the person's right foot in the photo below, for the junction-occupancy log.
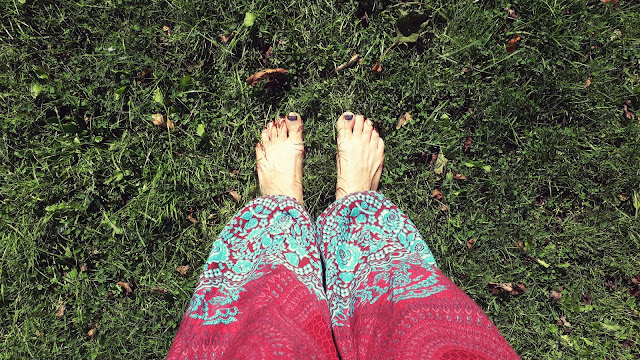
(360, 155)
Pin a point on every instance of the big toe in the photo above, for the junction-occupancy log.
(294, 126)
(345, 123)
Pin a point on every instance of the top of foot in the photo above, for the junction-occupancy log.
(360, 155)
(279, 156)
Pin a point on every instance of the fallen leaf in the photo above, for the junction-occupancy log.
(62, 306)
(268, 74)
(622, 197)
(443, 208)
(84, 267)
(158, 290)
(635, 291)
(354, 60)
(93, 331)
(628, 113)
(126, 286)
(588, 83)
(626, 344)
(404, 119)
(556, 295)
(562, 320)
(517, 289)
(616, 3)
(458, 176)
(365, 17)
(441, 164)
(437, 194)
(143, 75)
(511, 13)
(521, 246)
(226, 39)
(235, 172)
(167, 30)
(636, 279)
(377, 68)
(586, 299)
(234, 194)
(470, 243)
(191, 218)
(160, 120)
(467, 144)
(268, 54)
(511, 45)
(183, 270)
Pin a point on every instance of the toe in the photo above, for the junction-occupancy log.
(294, 126)
(380, 148)
(368, 128)
(375, 136)
(264, 136)
(282, 128)
(272, 130)
(359, 124)
(345, 123)
(260, 154)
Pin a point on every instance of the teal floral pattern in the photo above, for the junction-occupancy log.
(371, 250)
(270, 231)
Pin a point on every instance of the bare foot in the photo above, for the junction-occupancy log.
(279, 156)
(360, 155)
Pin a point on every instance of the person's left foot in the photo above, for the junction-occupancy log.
(279, 156)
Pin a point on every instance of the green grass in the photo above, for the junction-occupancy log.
(86, 177)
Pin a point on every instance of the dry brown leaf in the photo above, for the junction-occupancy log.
(635, 291)
(556, 295)
(515, 290)
(167, 30)
(268, 54)
(84, 267)
(511, 45)
(354, 60)
(191, 218)
(268, 74)
(126, 286)
(226, 39)
(470, 243)
(622, 197)
(467, 144)
(403, 120)
(159, 290)
(160, 120)
(183, 270)
(586, 299)
(443, 207)
(143, 75)
(93, 331)
(458, 176)
(628, 113)
(437, 194)
(521, 246)
(588, 83)
(636, 279)
(234, 194)
(62, 306)
(377, 68)
(562, 320)
(616, 3)
(511, 13)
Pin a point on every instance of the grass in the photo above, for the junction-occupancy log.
(88, 179)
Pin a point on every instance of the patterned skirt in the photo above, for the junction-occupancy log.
(358, 284)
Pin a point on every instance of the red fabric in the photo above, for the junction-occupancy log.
(362, 285)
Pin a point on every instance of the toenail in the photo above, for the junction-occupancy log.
(348, 117)
(292, 117)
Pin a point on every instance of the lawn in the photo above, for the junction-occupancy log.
(95, 198)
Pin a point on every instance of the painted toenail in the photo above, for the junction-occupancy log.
(292, 117)
(348, 117)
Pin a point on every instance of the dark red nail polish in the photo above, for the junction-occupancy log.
(292, 117)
